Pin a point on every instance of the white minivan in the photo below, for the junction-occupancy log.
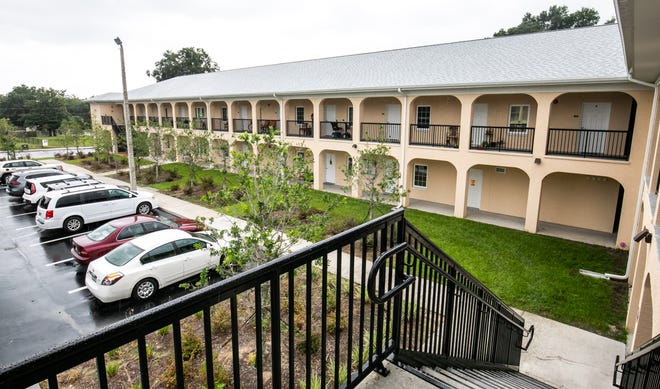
(36, 188)
(71, 209)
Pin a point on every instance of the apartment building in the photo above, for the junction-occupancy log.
(548, 128)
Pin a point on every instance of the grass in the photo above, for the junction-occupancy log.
(535, 273)
(53, 142)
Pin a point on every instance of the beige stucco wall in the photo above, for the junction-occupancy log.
(268, 109)
(373, 109)
(236, 109)
(341, 107)
(567, 111)
(440, 182)
(577, 200)
(444, 109)
(216, 109)
(504, 193)
(498, 108)
(290, 112)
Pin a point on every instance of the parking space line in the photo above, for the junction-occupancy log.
(25, 236)
(21, 214)
(25, 228)
(58, 239)
(62, 261)
(77, 290)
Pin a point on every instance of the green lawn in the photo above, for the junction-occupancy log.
(535, 273)
(53, 142)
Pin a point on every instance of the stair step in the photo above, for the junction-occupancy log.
(462, 378)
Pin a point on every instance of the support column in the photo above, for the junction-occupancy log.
(253, 115)
(160, 117)
(460, 198)
(533, 203)
(190, 115)
(230, 117)
(207, 104)
(316, 124)
(543, 106)
(466, 123)
(318, 184)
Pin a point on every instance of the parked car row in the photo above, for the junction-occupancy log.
(134, 253)
(7, 168)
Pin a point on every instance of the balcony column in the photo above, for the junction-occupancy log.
(230, 117)
(403, 139)
(460, 197)
(533, 201)
(543, 106)
(318, 184)
(316, 123)
(207, 104)
(160, 117)
(355, 137)
(253, 116)
(190, 114)
(464, 133)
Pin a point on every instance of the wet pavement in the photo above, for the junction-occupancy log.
(43, 299)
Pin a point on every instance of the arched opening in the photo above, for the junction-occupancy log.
(268, 116)
(503, 123)
(336, 119)
(219, 116)
(332, 165)
(435, 121)
(381, 120)
(644, 330)
(167, 112)
(241, 112)
(182, 115)
(299, 114)
(431, 185)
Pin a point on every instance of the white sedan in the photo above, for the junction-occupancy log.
(140, 267)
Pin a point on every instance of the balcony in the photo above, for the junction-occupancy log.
(336, 130)
(300, 128)
(437, 135)
(167, 121)
(182, 122)
(380, 132)
(218, 124)
(242, 125)
(588, 143)
(359, 302)
(264, 126)
(199, 124)
(153, 120)
(502, 139)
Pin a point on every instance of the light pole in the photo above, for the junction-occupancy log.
(127, 123)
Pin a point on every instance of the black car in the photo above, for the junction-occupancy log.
(16, 183)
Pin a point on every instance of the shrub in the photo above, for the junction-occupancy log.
(188, 190)
(191, 345)
(314, 345)
(164, 331)
(174, 187)
(220, 320)
(112, 368)
(207, 183)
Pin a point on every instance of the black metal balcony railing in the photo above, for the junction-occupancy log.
(141, 119)
(182, 122)
(441, 135)
(218, 124)
(589, 143)
(380, 132)
(641, 368)
(514, 138)
(264, 126)
(414, 299)
(199, 124)
(167, 121)
(336, 130)
(242, 125)
(153, 120)
(303, 128)
(132, 119)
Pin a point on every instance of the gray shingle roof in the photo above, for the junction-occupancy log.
(582, 55)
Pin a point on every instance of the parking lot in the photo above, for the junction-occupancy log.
(44, 302)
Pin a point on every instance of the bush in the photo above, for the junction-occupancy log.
(207, 183)
(174, 187)
(191, 345)
(188, 190)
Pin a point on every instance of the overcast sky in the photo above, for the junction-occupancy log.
(68, 44)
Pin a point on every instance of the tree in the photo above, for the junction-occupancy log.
(222, 149)
(193, 147)
(156, 151)
(72, 128)
(35, 107)
(377, 176)
(555, 18)
(276, 204)
(7, 138)
(102, 141)
(140, 148)
(188, 60)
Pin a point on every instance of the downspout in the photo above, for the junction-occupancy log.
(403, 145)
(649, 139)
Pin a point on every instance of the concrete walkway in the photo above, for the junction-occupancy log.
(560, 355)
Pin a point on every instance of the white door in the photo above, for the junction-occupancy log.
(330, 168)
(330, 116)
(475, 176)
(392, 116)
(164, 263)
(479, 118)
(595, 116)
(244, 115)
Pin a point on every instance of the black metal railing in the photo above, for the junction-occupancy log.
(182, 122)
(641, 368)
(265, 125)
(106, 120)
(380, 132)
(304, 128)
(167, 121)
(514, 138)
(589, 143)
(242, 125)
(153, 120)
(199, 124)
(336, 130)
(218, 124)
(441, 135)
(141, 119)
(328, 314)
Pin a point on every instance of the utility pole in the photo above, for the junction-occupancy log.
(127, 123)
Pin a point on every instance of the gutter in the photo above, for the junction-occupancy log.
(647, 152)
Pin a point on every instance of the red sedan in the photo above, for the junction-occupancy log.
(102, 240)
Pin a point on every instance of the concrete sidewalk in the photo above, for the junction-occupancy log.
(560, 355)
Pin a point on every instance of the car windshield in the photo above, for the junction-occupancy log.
(203, 236)
(122, 254)
(102, 232)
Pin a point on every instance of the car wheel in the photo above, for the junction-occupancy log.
(144, 208)
(145, 289)
(73, 224)
(4, 178)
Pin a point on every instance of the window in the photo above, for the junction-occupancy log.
(419, 176)
(117, 194)
(518, 118)
(96, 196)
(423, 116)
(300, 114)
(224, 113)
(199, 112)
(68, 201)
(131, 232)
(154, 226)
(188, 245)
(165, 251)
